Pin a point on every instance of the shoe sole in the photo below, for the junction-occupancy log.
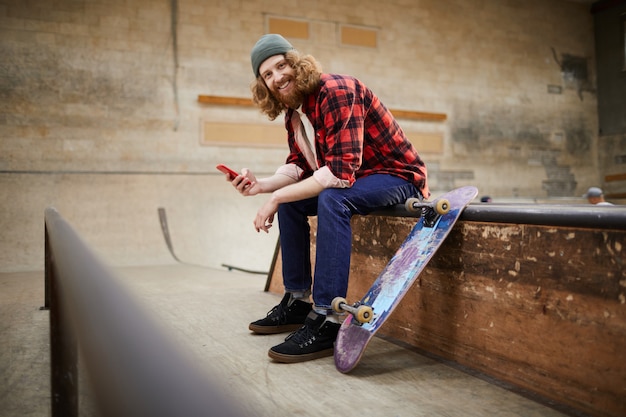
(274, 329)
(284, 358)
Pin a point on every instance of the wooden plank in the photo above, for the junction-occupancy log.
(289, 28)
(419, 115)
(274, 135)
(225, 101)
(359, 36)
(242, 134)
(615, 177)
(426, 142)
(245, 102)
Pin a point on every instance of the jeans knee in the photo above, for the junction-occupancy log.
(331, 201)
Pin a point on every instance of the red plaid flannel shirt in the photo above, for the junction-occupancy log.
(355, 135)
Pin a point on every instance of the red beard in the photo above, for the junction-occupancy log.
(293, 100)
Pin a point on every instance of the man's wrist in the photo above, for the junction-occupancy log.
(276, 197)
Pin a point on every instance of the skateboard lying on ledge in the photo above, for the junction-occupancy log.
(366, 316)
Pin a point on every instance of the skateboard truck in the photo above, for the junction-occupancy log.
(361, 312)
(430, 211)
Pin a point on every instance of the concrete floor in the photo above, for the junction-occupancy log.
(208, 310)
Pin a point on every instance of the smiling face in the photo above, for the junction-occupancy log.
(280, 79)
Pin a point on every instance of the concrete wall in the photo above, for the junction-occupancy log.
(610, 41)
(99, 111)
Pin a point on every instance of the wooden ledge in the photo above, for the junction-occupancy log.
(400, 114)
(225, 101)
(536, 306)
(615, 177)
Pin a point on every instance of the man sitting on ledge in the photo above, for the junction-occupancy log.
(347, 156)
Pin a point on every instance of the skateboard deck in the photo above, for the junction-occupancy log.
(397, 277)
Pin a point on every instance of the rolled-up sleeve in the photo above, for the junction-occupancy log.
(328, 180)
(292, 171)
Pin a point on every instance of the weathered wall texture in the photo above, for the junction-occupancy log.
(610, 44)
(94, 91)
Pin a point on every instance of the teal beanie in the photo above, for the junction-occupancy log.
(269, 45)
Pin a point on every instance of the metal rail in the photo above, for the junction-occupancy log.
(133, 368)
(584, 216)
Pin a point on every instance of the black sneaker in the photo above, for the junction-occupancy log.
(285, 317)
(313, 340)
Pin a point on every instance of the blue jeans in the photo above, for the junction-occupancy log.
(334, 208)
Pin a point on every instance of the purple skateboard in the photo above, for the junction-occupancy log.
(397, 277)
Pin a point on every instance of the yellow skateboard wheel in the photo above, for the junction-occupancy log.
(442, 206)
(412, 205)
(336, 304)
(364, 314)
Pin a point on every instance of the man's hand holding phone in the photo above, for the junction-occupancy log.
(243, 185)
(232, 174)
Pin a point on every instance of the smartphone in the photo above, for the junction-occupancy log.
(232, 174)
(227, 170)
